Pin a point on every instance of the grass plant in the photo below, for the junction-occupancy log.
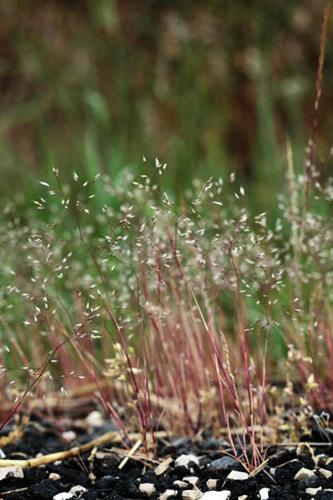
(177, 317)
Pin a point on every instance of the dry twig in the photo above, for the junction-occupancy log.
(74, 452)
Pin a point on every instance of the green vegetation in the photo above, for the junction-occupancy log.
(209, 87)
(129, 271)
(168, 307)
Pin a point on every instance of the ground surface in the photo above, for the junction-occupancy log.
(184, 469)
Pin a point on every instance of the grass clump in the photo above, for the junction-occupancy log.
(175, 317)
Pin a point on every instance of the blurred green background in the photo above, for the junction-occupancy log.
(209, 87)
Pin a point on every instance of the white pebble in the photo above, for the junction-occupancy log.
(303, 473)
(168, 493)
(216, 495)
(63, 495)
(186, 460)
(54, 476)
(211, 484)
(180, 484)
(326, 473)
(264, 493)
(147, 488)
(191, 480)
(163, 466)
(236, 475)
(313, 491)
(12, 471)
(191, 494)
(243, 497)
(95, 419)
(78, 490)
(68, 436)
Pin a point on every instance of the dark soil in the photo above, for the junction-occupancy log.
(291, 473)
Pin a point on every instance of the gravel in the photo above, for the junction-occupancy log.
(204, 472)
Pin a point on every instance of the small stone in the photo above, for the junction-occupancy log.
(147, 488)
(191, 494)
(63, 495)
(180, 484)
(12, 471)
(264, 493)
(68, 436)
(211, 484)
(168, 493)
(2, 453)
(224, 464)
(78, 490)
(236, 475)
(243, 497)
(216, 495)
(186, 460)
(313, 491)
(326, 473)
(191, 480)
(54, 476)
(163, 466)
(286, 472)
(95, 419)
(303, 473)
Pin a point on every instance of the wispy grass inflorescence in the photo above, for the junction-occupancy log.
(174, 314)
